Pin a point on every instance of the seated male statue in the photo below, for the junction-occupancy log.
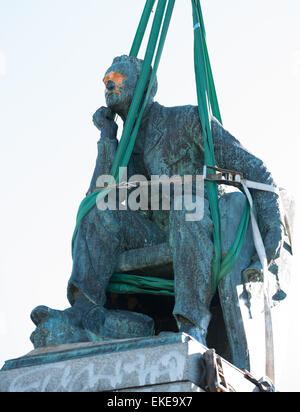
(169, 142)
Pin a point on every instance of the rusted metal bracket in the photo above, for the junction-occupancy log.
(216, 381)
(223, 176)
(215, 378)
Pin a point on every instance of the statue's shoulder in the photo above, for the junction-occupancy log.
(175, 115)
(221, 134)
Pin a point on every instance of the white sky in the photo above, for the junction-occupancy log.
(53, 55)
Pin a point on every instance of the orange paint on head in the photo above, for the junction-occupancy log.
(118, 80)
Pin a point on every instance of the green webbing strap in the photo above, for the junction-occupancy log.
(211, 84)
(208, 104)
(131, 284)
(136, 45)
(122, 153)
(160, 47)
(232, 255)
(201, 74)
(134, 117)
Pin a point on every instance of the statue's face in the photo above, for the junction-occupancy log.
(120, 82)
(114, 84)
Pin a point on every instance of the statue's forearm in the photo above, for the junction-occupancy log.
(107, 148)
(230, 154)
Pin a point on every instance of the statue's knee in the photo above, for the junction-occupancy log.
(185, 222)
(233, 203)
(107, 219)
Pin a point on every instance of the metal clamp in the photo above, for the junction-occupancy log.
(215, 377)
(223, 176)
(264, 384)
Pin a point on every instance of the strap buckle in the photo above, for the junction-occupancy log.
(215, 376)
(223, 176)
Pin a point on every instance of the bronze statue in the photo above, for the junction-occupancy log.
(170, 142)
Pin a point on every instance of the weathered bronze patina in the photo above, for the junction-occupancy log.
(169, 143)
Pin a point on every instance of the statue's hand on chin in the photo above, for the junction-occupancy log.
(103, 119)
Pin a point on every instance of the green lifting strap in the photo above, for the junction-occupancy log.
(136, 45)
(208, 105)
(132, 284)
(134, 117)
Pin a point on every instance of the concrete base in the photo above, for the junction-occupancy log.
(167, 363)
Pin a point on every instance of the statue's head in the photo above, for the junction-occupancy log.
(121, 80)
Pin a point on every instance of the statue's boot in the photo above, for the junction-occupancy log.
(73, 315)
(199, 331)
(85, 322)
(55, 327)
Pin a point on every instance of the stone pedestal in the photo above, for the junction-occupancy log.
(167, 363)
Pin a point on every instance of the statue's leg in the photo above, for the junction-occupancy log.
(102, 236)
(192, 247)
